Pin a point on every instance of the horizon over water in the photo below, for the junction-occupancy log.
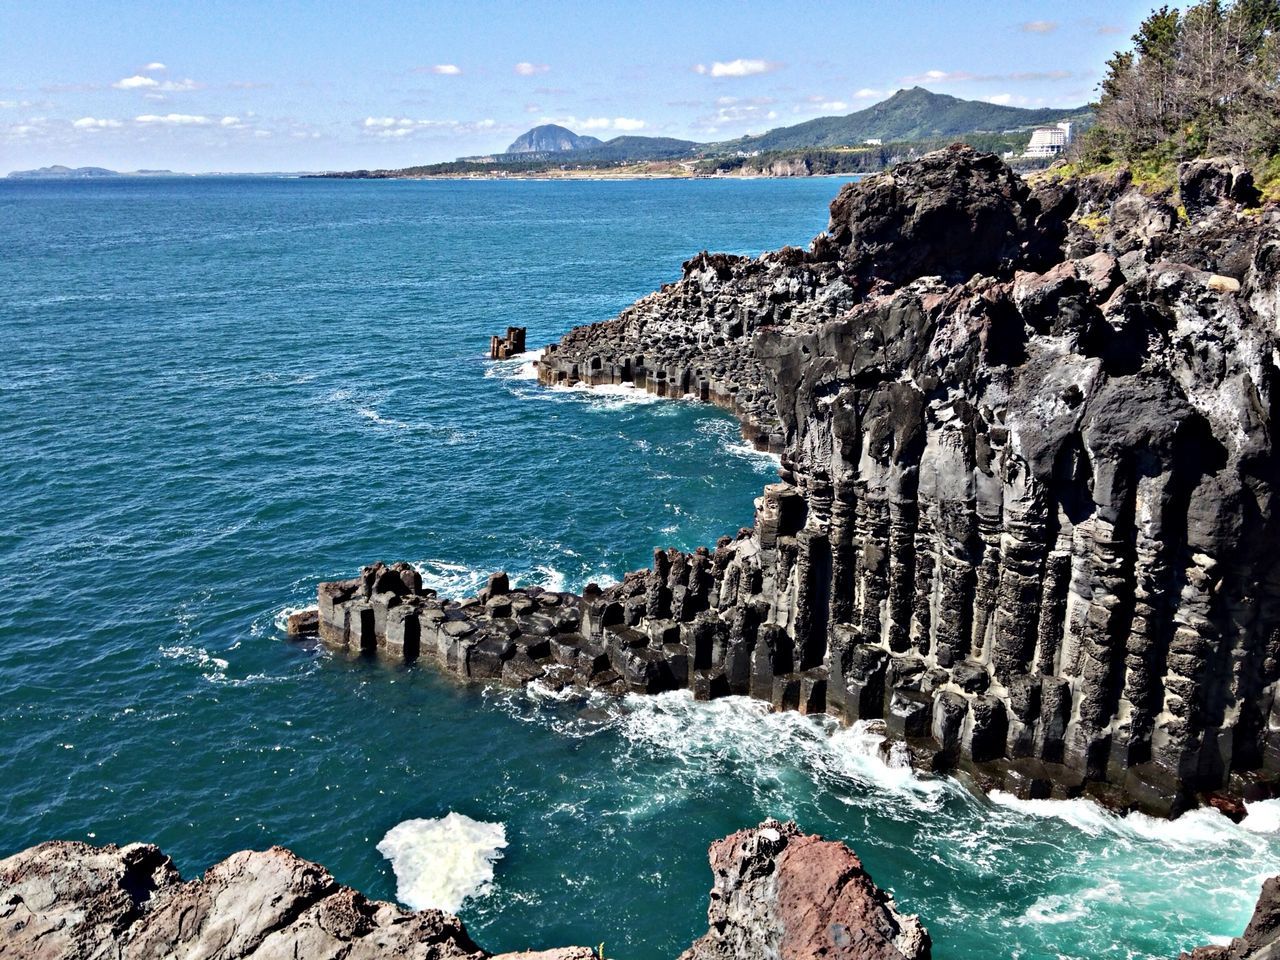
(219, 392)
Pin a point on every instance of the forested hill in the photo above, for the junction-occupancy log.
(915, 114)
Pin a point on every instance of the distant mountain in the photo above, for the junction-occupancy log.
(915, 114)
(629, 149)
(551, 138)
(59, 172)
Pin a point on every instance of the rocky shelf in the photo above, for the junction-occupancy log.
(1025, 512)
(777, 893)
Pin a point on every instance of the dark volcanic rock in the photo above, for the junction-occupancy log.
(71, 901)
(1026, 511)
(951, 214)
(779, 893)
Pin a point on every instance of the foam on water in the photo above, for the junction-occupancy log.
(443, 862)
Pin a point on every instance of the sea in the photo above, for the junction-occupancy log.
(216, 393)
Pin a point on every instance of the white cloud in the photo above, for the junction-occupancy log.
(230, 121)
(177, 86)
(447, 69)
(737, 68)
(596, 123)
(1039, 26)
(867, 93)
(1002, 99)
(406, 126)
(92, 123)
(527, 69)
(155, 67)
(136, 82)
(962, 76)
(175, 119)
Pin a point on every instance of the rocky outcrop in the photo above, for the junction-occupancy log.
(1261, 939)
(1025, 513)
(782, 894)
(778, 894)
(508, 346)
(72, 901)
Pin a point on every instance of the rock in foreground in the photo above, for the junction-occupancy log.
(79, 902)
(783, 894)
(778, 894)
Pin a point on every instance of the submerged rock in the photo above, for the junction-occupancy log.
(780, 894)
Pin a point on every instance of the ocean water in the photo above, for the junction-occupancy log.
(216, 393)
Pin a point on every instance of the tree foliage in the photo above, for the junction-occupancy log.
(1199, 81)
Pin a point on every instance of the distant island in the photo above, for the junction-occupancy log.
(906, 125)
(59, 172)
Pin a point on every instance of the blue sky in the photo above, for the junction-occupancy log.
(235, 86)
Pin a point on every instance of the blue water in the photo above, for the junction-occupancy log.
(216, 393)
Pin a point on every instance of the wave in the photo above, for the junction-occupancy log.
(520, 367)
(456, 580)
(442, 863)
(280, 620)
(373, 416)
(1198, 828)
(1070, 907)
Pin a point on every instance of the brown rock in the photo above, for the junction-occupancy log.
(779, 893)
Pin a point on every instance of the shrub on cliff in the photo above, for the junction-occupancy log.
(1197, 82)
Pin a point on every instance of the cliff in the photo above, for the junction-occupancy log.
(1025, 512)
(779, 894)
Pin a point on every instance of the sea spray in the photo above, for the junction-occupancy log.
(443, 862)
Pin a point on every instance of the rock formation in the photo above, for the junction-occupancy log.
(778, 894)
(1261, 939)
(504, 348)
(72, 901)
(1025, 512)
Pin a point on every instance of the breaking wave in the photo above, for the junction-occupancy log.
(442, 863)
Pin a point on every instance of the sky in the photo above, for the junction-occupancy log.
(231, 86)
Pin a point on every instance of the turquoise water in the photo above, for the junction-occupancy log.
(217, 393)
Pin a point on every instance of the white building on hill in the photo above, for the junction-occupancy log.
(1049, 141)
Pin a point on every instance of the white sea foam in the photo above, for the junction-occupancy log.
(547, 577)
(605, 398)
(747, 730)
(441, 863)
(758, 458)
(520, 367)
(1069, 907)
(1263, 816)
(452, 580)
(281, 618)
(198, 656)
(372, 415)
(1201, 828)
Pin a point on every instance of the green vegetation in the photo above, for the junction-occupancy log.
(1198, 82)
(907, 116)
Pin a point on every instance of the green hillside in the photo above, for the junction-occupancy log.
(908, 115)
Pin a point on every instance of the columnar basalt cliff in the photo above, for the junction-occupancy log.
(1025, 508)
(778, 895)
